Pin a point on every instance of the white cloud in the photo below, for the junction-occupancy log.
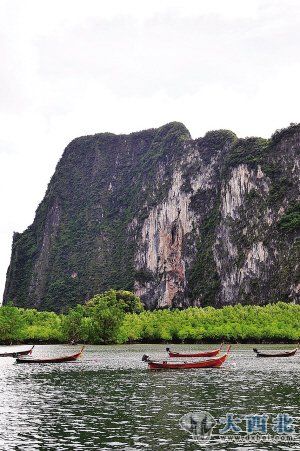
(71, 68)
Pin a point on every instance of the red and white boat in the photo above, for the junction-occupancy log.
(210, 363)
(17, 353)
(69, 358)
(276, 354)
(195, 354)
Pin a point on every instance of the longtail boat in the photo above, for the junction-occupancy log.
(17, 353)
(276, 354)
(196, 354)
(211, 363)
(69, 358)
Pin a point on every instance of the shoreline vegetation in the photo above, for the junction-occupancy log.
(118, 317)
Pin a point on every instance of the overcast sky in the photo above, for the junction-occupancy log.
(72, 68)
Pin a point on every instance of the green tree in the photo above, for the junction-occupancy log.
(11, 323)
(106, 316)
(72, 324)
(129, 302)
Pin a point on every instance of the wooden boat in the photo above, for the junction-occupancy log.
(196, 354)
(211, 363)
(69, 358)
(276, 354)
(17, 353)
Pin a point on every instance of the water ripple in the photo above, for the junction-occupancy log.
(110, 401)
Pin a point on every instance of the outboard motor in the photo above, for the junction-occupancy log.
(145, 358)
(168, 349)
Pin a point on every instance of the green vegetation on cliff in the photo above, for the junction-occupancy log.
(290, 221)
(204, 280)
(250, 151)
(285, 133)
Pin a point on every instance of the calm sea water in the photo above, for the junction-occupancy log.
(110, 401)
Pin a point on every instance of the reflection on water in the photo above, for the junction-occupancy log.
(110, 401)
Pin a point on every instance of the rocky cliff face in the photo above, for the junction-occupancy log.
(210, 221)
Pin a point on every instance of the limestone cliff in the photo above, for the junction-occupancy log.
(210, 221)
